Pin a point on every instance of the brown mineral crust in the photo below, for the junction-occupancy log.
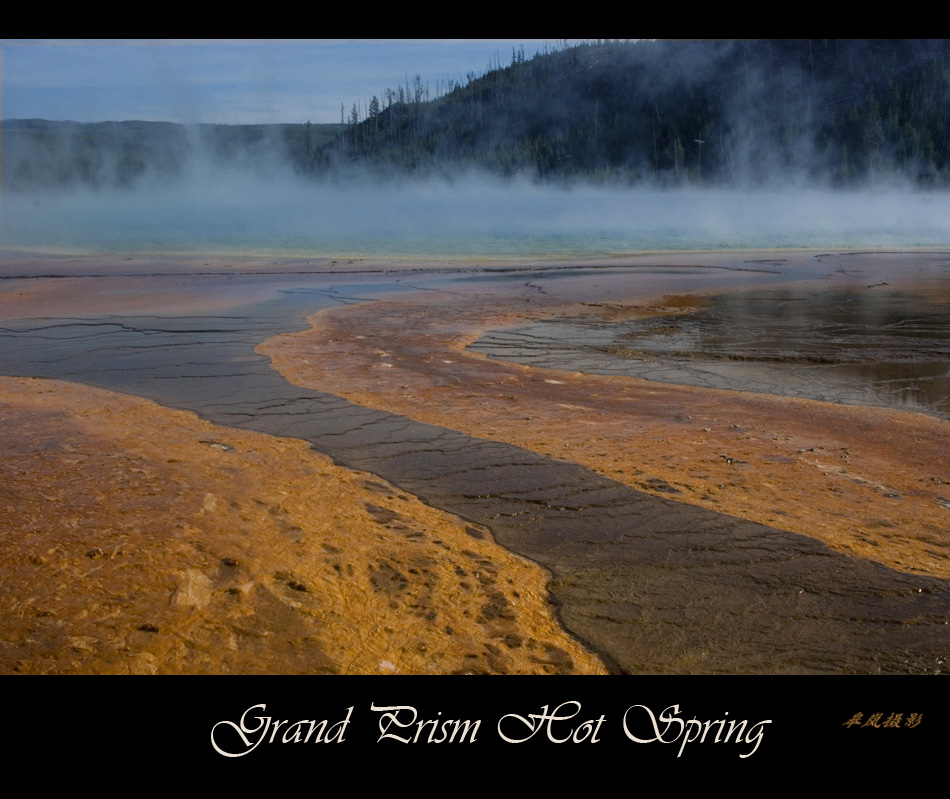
(868, 482)
(138, 539)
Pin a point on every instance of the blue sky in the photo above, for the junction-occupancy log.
(228, 81)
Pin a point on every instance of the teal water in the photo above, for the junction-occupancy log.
(470, 218)
(488, 220)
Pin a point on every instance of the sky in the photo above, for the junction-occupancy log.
(241, 81)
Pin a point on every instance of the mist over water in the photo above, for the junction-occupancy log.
(269, 211)
(243, 212)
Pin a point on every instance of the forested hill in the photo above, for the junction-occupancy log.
(711, 112)
(716, 113)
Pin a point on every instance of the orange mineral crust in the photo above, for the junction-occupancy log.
(138, 539)
(868, 482)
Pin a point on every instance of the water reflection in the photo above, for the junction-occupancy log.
(870, 346)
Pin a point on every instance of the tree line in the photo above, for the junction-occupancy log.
(675, 112)
(726, 113)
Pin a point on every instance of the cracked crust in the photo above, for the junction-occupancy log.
(140, 539)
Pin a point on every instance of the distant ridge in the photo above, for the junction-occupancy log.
(49, 155)
(829, 112)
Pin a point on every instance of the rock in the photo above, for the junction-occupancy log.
(194, 590)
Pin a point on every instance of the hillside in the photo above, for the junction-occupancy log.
(721, 113)
(724, 112)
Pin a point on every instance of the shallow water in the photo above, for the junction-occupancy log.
(868, 346)
(654, 585)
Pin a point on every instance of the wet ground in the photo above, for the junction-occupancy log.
(864, 346)
(141, 540)
(652, 584)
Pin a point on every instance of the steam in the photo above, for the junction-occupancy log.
(202, 188)
(269, 209)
